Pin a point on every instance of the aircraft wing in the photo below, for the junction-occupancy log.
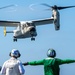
(9, 23)
(34, 22)
(43, 21)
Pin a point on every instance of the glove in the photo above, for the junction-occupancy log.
(26, 63)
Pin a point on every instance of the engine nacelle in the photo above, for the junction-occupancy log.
(56, 17)
(56, 24)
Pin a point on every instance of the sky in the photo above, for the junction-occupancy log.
(63, 41)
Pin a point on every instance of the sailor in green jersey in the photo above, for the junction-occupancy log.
(51, 64)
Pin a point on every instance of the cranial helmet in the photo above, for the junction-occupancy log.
(51, 53)
(15, 53)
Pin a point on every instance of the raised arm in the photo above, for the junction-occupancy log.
(67, 61)
(41, 62)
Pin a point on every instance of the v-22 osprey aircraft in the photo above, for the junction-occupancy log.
(27, 29)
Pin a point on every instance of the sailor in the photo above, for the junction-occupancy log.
(13, 66)
(51, 64)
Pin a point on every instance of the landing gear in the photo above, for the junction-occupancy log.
(32, 39)
(15, 39)
(32, 36)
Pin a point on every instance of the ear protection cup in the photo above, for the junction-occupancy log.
(19, 55)
(10, 54)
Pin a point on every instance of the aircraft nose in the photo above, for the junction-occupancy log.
(32, 29)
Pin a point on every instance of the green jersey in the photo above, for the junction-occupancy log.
(51, 65)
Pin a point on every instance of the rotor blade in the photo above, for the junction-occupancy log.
(4, 31)
(47, 9)
(46, 5)
(60, 8)
(6, 6)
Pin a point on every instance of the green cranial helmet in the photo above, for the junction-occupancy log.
(51, 52)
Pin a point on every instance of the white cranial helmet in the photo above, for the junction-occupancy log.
(15, 53)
